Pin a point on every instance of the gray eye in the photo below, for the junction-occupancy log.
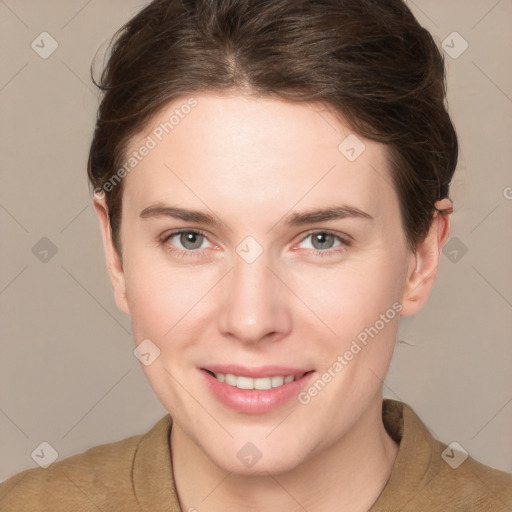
(322, 240)
(191, 240)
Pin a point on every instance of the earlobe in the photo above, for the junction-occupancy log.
(113, 259)
(424, 262)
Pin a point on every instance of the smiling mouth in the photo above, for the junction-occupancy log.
(261, 383)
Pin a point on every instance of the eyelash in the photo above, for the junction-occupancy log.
(345, 242)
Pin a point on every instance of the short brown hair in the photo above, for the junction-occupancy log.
(369, 59)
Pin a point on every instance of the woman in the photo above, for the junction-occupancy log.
(272, 185)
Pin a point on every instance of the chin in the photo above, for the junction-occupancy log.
(259, 469)
(250, 461)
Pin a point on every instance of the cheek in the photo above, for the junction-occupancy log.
(353, 295)
(360, 305)
(169, 302)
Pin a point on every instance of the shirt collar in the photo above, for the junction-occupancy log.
(155, 491)
(153, 480)
(413, 465)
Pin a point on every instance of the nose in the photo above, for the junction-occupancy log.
(256, 304)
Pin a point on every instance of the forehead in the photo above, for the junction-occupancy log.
(240, 153)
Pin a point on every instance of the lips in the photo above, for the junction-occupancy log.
(250, 390)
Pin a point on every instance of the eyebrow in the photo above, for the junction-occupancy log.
(296, 219)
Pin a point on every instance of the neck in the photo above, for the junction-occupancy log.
(348, 476)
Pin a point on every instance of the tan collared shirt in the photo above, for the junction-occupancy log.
(135, 474)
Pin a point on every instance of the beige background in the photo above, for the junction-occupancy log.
(68, 375)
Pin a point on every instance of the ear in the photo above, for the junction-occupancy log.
(114, 259)
(425, 261)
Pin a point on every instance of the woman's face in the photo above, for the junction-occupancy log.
(257, 283)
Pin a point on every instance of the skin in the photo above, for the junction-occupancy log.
(251, 162)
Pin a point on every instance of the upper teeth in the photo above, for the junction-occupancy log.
(260, 383)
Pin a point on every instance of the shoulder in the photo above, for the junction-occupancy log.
(431, 475)
(80, 482)
(472, 483)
